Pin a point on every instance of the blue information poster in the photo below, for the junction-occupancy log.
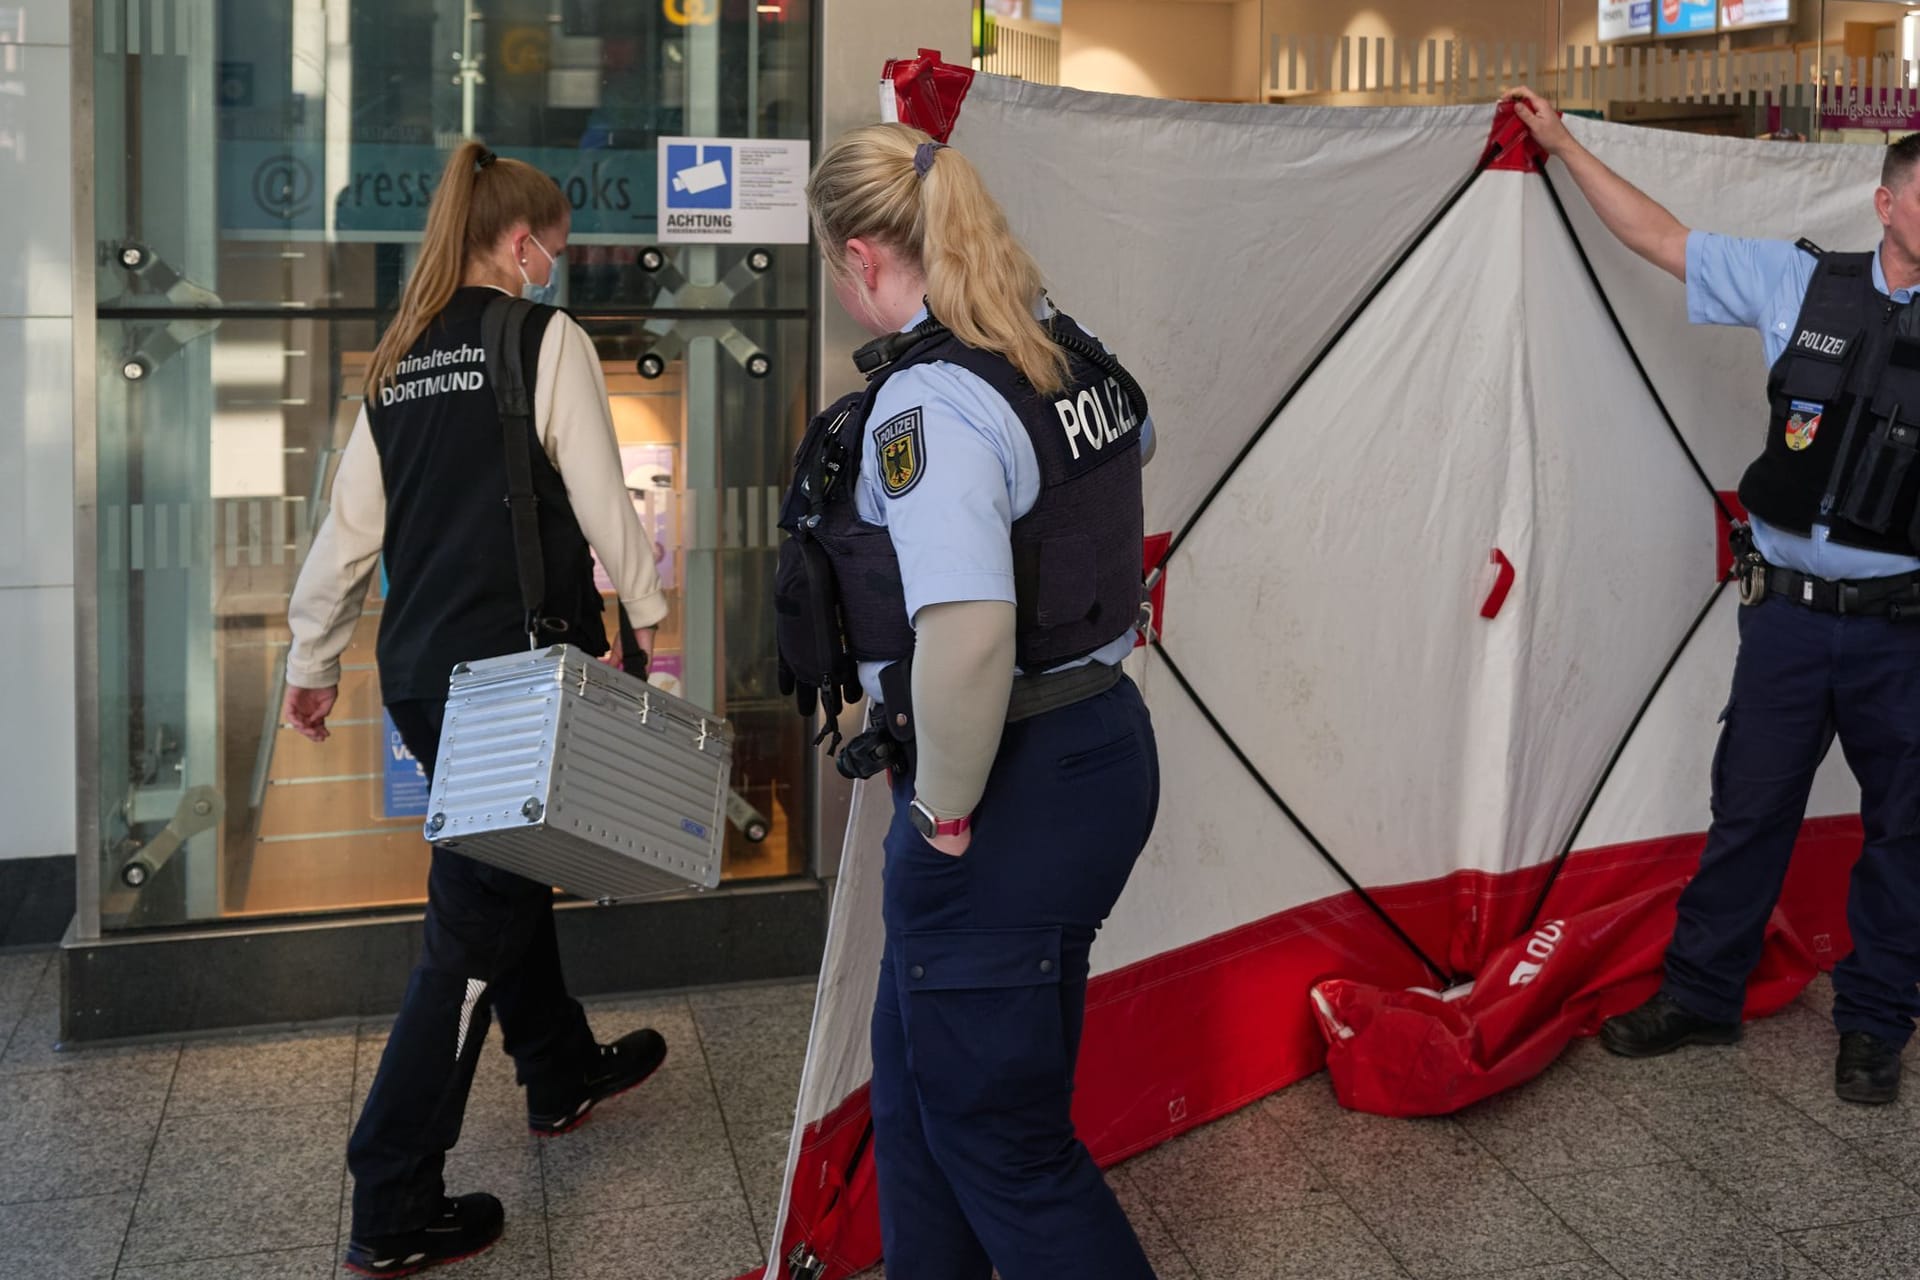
(1686, 17)
(406, 781)
(283, 187)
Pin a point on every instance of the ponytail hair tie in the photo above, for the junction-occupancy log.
(923, 157)
(486, 158)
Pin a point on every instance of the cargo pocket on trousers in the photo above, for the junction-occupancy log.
(1716, 775)
(983, 1017)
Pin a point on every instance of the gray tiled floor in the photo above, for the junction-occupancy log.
(224, 1157)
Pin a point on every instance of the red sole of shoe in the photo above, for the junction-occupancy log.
(425, 1266)
(586, 1115)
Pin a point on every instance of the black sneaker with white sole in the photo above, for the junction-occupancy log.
(467, 1226)
(557, 1107)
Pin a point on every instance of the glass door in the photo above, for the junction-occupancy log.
(264, 168)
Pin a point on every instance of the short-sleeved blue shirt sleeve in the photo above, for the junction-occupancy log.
(1757, 284)
(951, 520)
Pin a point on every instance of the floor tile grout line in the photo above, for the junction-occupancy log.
(1737, 1195)
(1589, 1173)
(277, 1107)
(546, 1205)
(236, 1257)
(1809, 1258)
(21, 1021)
(726, 1127)
(1334, 1186)
(1159, 1217)
(645, 1205)
(1783, 1233)
(44, 1200)
(1911, 1182)
(1538, 1199)
(342, 1203)
(139, 1192)
(1849, 1139)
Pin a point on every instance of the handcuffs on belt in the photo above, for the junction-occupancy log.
(1749, 566)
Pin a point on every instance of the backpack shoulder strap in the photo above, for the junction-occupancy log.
(502, 325)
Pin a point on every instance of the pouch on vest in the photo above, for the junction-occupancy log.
(1882, 471)
(1815, 376)
(816, 666)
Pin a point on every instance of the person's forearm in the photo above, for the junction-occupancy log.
(962, 677)
(1636, 219)
(579, 437)
(332, 585)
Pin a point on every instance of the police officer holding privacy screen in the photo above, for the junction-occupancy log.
(968, 532)
(1830, 623)
(422, 483)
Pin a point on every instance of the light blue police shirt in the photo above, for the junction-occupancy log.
(953, 527)
(1760, 284)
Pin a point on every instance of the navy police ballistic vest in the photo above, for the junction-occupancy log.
(1076, 554)
(1845, 416)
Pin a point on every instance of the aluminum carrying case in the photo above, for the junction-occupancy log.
(572, 773)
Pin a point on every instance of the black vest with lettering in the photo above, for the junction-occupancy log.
(1076, 554)
(1845, 416)
(452, 591)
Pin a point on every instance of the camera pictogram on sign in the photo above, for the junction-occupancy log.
(699, 177)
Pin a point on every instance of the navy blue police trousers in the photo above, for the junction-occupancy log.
(488, 945)
(983, 987)
(1801, 679)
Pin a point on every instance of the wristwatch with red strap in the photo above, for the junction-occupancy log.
(929, 826)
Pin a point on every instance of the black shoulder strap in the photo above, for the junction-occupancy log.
(1809, 248)
(1845, 266)
(501, 327)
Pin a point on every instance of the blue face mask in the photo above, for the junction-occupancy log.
(543, 294)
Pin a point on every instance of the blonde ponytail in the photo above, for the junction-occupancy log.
(981, 282)
(479, 198)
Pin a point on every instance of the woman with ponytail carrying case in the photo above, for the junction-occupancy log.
(422, 485)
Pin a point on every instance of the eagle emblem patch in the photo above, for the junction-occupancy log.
(903, 452)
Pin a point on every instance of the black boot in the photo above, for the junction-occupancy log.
(555, 1107)
(465, 1227)
(1868, 1069)
(1661, 1026)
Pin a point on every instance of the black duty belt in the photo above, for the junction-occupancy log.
(1897, 597)
(883, 747)
(1037, 695)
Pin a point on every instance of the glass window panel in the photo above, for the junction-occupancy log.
(283, 152)
(263, 172)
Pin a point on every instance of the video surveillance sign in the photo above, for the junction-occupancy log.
(727, 190)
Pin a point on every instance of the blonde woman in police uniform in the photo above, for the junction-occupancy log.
(987, 562)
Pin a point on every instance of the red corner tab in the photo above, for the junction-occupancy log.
(1510, 145)
(1728, 506)
(927, 92)
(1153, 563)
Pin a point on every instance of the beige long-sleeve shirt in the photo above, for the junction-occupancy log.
(575, 427)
